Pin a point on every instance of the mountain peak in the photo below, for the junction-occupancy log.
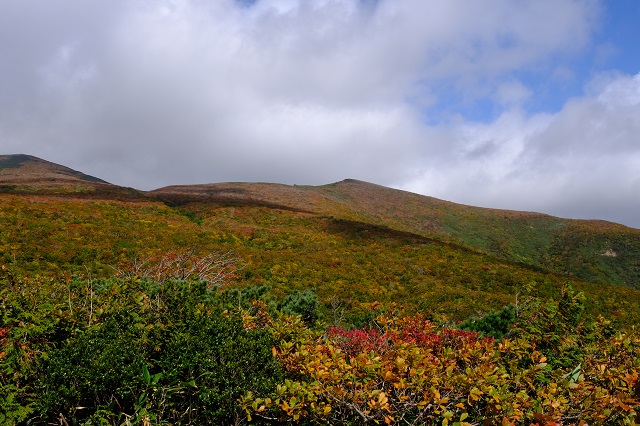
(27, 168)
(22, 173)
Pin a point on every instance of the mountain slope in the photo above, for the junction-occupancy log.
(595, 251)
(22, 173)
(88, 295)
(352, 242)
(348, 264)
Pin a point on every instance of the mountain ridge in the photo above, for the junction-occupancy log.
(563, 246)
(593, 250)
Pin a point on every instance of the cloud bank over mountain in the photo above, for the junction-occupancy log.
(451, 99)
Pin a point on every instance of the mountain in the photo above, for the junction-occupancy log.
(596, 251)
(22, 173)
(351, 242)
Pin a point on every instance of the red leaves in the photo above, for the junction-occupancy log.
(410, 330)
(4, 332)
(355, 341)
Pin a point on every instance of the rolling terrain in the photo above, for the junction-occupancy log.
(352, 242)
(596, 251)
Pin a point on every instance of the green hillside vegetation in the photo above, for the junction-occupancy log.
(347, 303)
(349, 263)
(595, 251)
(12, 161)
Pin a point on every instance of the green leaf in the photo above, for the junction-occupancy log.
(156, 378)
(145, 373)
(574, 374)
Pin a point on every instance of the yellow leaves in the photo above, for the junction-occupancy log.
(403, 384)
(436, 394)
(456, 387)
(289, 406)
(248, 321)
(255, 405)
(401, 363)
(474, 395)
(447, 417)
(326, 410)
(379, 401)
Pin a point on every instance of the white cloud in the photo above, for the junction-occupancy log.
(148, 93)
(582, 162)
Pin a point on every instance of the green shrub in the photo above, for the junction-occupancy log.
(559, 329)
(99, 368)
(495, 324)
(303, 303)
(223, 360)
(169, 353)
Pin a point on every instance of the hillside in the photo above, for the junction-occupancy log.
(22, 173)
(595, 251)
(352, 242)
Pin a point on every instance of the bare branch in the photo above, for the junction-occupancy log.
(214, 268)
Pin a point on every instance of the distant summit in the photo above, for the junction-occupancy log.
(27, 168)
(21, 173)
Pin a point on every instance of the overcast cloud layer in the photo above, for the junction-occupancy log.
(151, 93)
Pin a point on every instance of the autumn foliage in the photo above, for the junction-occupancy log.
(135, 312)
(138, 351)
(410, 371)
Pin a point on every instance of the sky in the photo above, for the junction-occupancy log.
(525, 105)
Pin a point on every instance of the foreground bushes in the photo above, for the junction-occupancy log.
(410, 371)
(128, 352)
(131, 351)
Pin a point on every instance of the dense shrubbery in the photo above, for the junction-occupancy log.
(100, 367)
(139, 351)
(408, 370)
(495, 323)
(116, 351)
(303, 303)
